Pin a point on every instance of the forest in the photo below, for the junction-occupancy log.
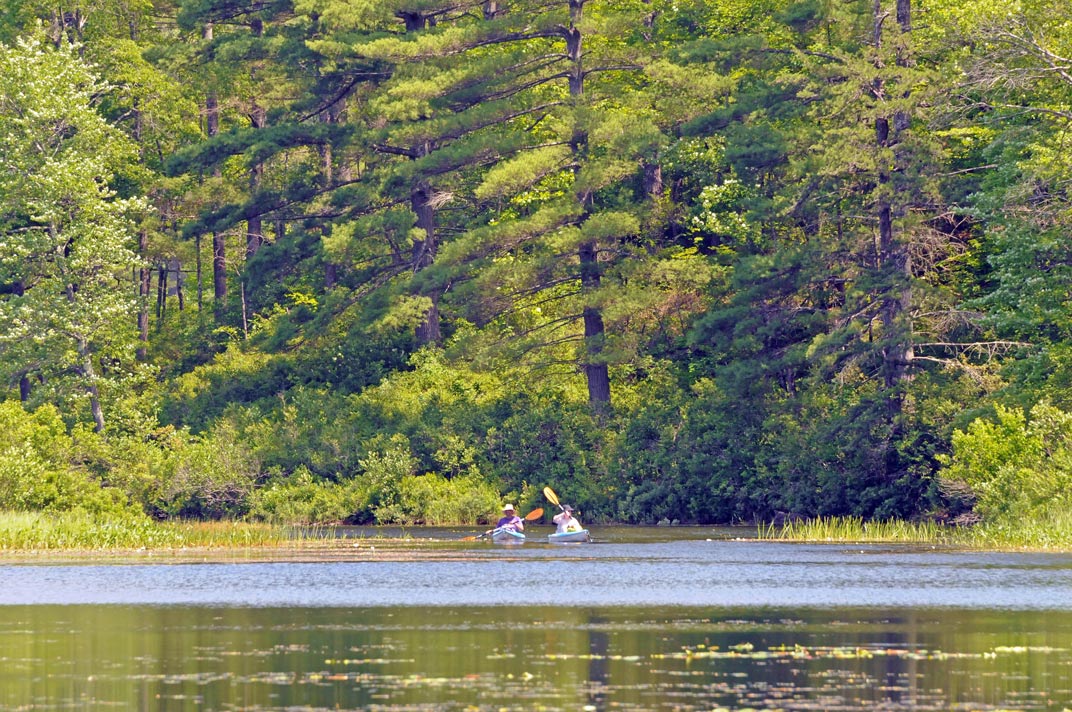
(399, 261)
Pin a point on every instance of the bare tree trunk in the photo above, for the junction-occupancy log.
(87, 372)
(90, 374)
(200, 280)
(161, 292)
(24, 379)
(245, 321)
(219, 275)
(145, 277)
(180, 283)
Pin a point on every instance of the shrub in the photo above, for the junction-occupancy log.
(1015, 465)
(435, 500)
(210, 477)
(36, 468)
(305, 499)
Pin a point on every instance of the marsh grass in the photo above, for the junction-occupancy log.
(855, 529)
(23, 531)
(1050, 531)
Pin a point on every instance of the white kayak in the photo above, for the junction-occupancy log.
(569, 537)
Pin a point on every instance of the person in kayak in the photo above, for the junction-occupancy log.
(510, 520)
(565, 521)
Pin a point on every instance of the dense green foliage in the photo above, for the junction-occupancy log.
(392, 261)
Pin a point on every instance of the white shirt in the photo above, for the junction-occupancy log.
(566, 522)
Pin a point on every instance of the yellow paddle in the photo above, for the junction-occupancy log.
(551, 496)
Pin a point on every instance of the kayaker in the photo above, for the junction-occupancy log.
(565, 521)
(510, 520)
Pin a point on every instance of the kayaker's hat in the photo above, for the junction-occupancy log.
(567, 508)
(508, 507)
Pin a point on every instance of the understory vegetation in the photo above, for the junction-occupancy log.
(399, 261)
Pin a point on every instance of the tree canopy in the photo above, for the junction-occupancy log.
(704, 262)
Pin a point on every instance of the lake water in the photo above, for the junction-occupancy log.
(661, 619)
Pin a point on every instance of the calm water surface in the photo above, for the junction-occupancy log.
(637, 620)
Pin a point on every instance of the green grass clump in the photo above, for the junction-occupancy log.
(1049, 530)
(77, 530)
(856, 529)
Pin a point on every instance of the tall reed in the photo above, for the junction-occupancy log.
(1051, 531)
(848, 529)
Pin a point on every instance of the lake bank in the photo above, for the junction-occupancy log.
(78, 535)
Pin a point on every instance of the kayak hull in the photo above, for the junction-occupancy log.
(569, 537)
(507, 536)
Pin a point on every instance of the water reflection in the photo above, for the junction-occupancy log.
(522, 658)
(637, 623)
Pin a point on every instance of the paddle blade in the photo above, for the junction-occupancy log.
(550, 495)
(534, 514)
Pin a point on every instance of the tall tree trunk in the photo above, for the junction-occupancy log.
(254, 225)
(892, 252)
(219, 241)
(424, 253)
(258, 118)
(596, 370)
(145, 279)
(90, 374)
(219, 275)
(200, 278)
(327, 171)
(421, 193)
(86, 370)
(144, 275)
(161, 292)
(24, 379)
(180, 283)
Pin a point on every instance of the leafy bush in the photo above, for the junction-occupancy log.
(435, 500)
(36, 468)
(543, 439)
(210, 477)
(235, 376)
(306, 499)
(1017, 466)
(690, 457)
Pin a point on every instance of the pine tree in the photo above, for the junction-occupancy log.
(549, 100)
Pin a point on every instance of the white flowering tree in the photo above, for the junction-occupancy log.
(67, 301)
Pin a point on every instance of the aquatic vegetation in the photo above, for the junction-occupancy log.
(1051, 531)
(74, 530)
(859, 530)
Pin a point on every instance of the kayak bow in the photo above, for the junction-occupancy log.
(569, 537)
